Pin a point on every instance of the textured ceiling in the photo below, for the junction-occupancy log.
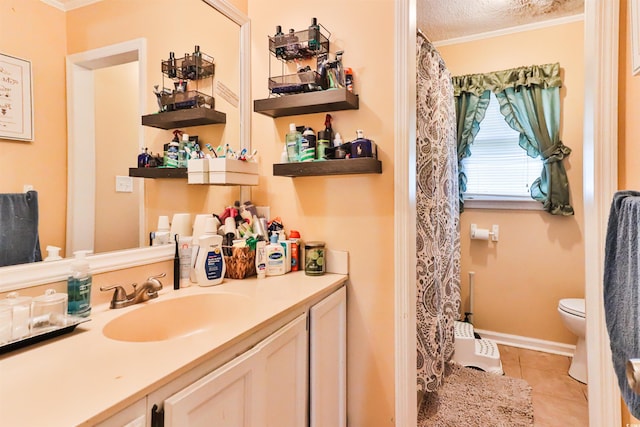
(448, 19)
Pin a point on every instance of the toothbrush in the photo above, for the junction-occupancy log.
(219, 152)
(210, 148)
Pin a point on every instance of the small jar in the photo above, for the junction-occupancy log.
(21, 307)
(48, 310)
(314, 258)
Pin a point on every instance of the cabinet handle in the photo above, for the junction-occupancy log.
(157, 416)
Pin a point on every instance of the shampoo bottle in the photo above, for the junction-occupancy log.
(79, 286)
(210, 266)
(275, 257)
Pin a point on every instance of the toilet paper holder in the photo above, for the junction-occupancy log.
(485, 234)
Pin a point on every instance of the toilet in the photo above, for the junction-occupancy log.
(572, 314)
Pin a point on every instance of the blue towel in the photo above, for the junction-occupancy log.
(19, 241)
(621, 288)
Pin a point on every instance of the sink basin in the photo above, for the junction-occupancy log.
(178, 317)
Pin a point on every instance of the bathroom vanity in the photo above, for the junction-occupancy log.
(247, 350)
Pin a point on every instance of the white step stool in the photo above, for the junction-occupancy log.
(475, 352)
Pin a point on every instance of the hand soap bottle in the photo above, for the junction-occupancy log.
(79, 286)
(210, 266)
(275, 257)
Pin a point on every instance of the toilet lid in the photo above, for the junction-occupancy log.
(573, 306)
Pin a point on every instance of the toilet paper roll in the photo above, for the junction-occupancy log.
(480, 234)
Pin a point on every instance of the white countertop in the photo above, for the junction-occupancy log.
(83, 377)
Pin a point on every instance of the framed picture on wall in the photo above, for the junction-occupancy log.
(634, 17)
(16, 100)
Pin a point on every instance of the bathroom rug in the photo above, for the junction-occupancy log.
(473, 398)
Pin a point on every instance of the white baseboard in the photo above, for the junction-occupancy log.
(528, 343)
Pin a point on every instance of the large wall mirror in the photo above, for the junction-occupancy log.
(113, 54)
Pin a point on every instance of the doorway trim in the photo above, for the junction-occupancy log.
(599, 181)
(81, 178)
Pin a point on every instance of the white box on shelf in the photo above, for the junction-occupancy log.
(198, 171)
(198, 165)
(198, 178)
(232, 178)
(230, 165)
(222, 171)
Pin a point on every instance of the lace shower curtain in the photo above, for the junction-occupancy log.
(437, 217)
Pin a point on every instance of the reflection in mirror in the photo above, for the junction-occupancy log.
(220, 31)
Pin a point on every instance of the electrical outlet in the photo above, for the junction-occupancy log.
(27, 187)
(124, 184)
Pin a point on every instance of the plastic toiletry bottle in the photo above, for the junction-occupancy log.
(261, 259)
(182, 152)
(278, 41)
(53, 253)
(310, 135)
(348, 79)
(171, 66)
(294, 237)
(286, 245)
(314, 35)
(322, 144)
(275, 257)
(284, 157)
(292, 139)
(79, 286)
(210, 266)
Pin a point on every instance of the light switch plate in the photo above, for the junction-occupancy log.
(124, 184)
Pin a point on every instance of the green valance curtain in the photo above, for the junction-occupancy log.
(529, 99)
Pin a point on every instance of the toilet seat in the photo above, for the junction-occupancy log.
(573, 306)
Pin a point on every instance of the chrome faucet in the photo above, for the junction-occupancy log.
(148, 290)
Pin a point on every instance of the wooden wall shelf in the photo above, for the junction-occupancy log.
(158, 172)
(184, 118)
(328, 167)
(307, 103)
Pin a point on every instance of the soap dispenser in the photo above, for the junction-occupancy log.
(79, 286)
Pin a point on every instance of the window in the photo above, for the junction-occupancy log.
(498, 168)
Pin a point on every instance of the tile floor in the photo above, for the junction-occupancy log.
(558, 399)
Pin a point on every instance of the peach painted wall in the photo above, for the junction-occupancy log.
(539, 258)
(42, 162)
(353, 213)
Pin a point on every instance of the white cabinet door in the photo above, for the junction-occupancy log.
(223, 398)
(285, 364)
(328, 362)
(265, 386)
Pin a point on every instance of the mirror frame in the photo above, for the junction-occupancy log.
(33, 274)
